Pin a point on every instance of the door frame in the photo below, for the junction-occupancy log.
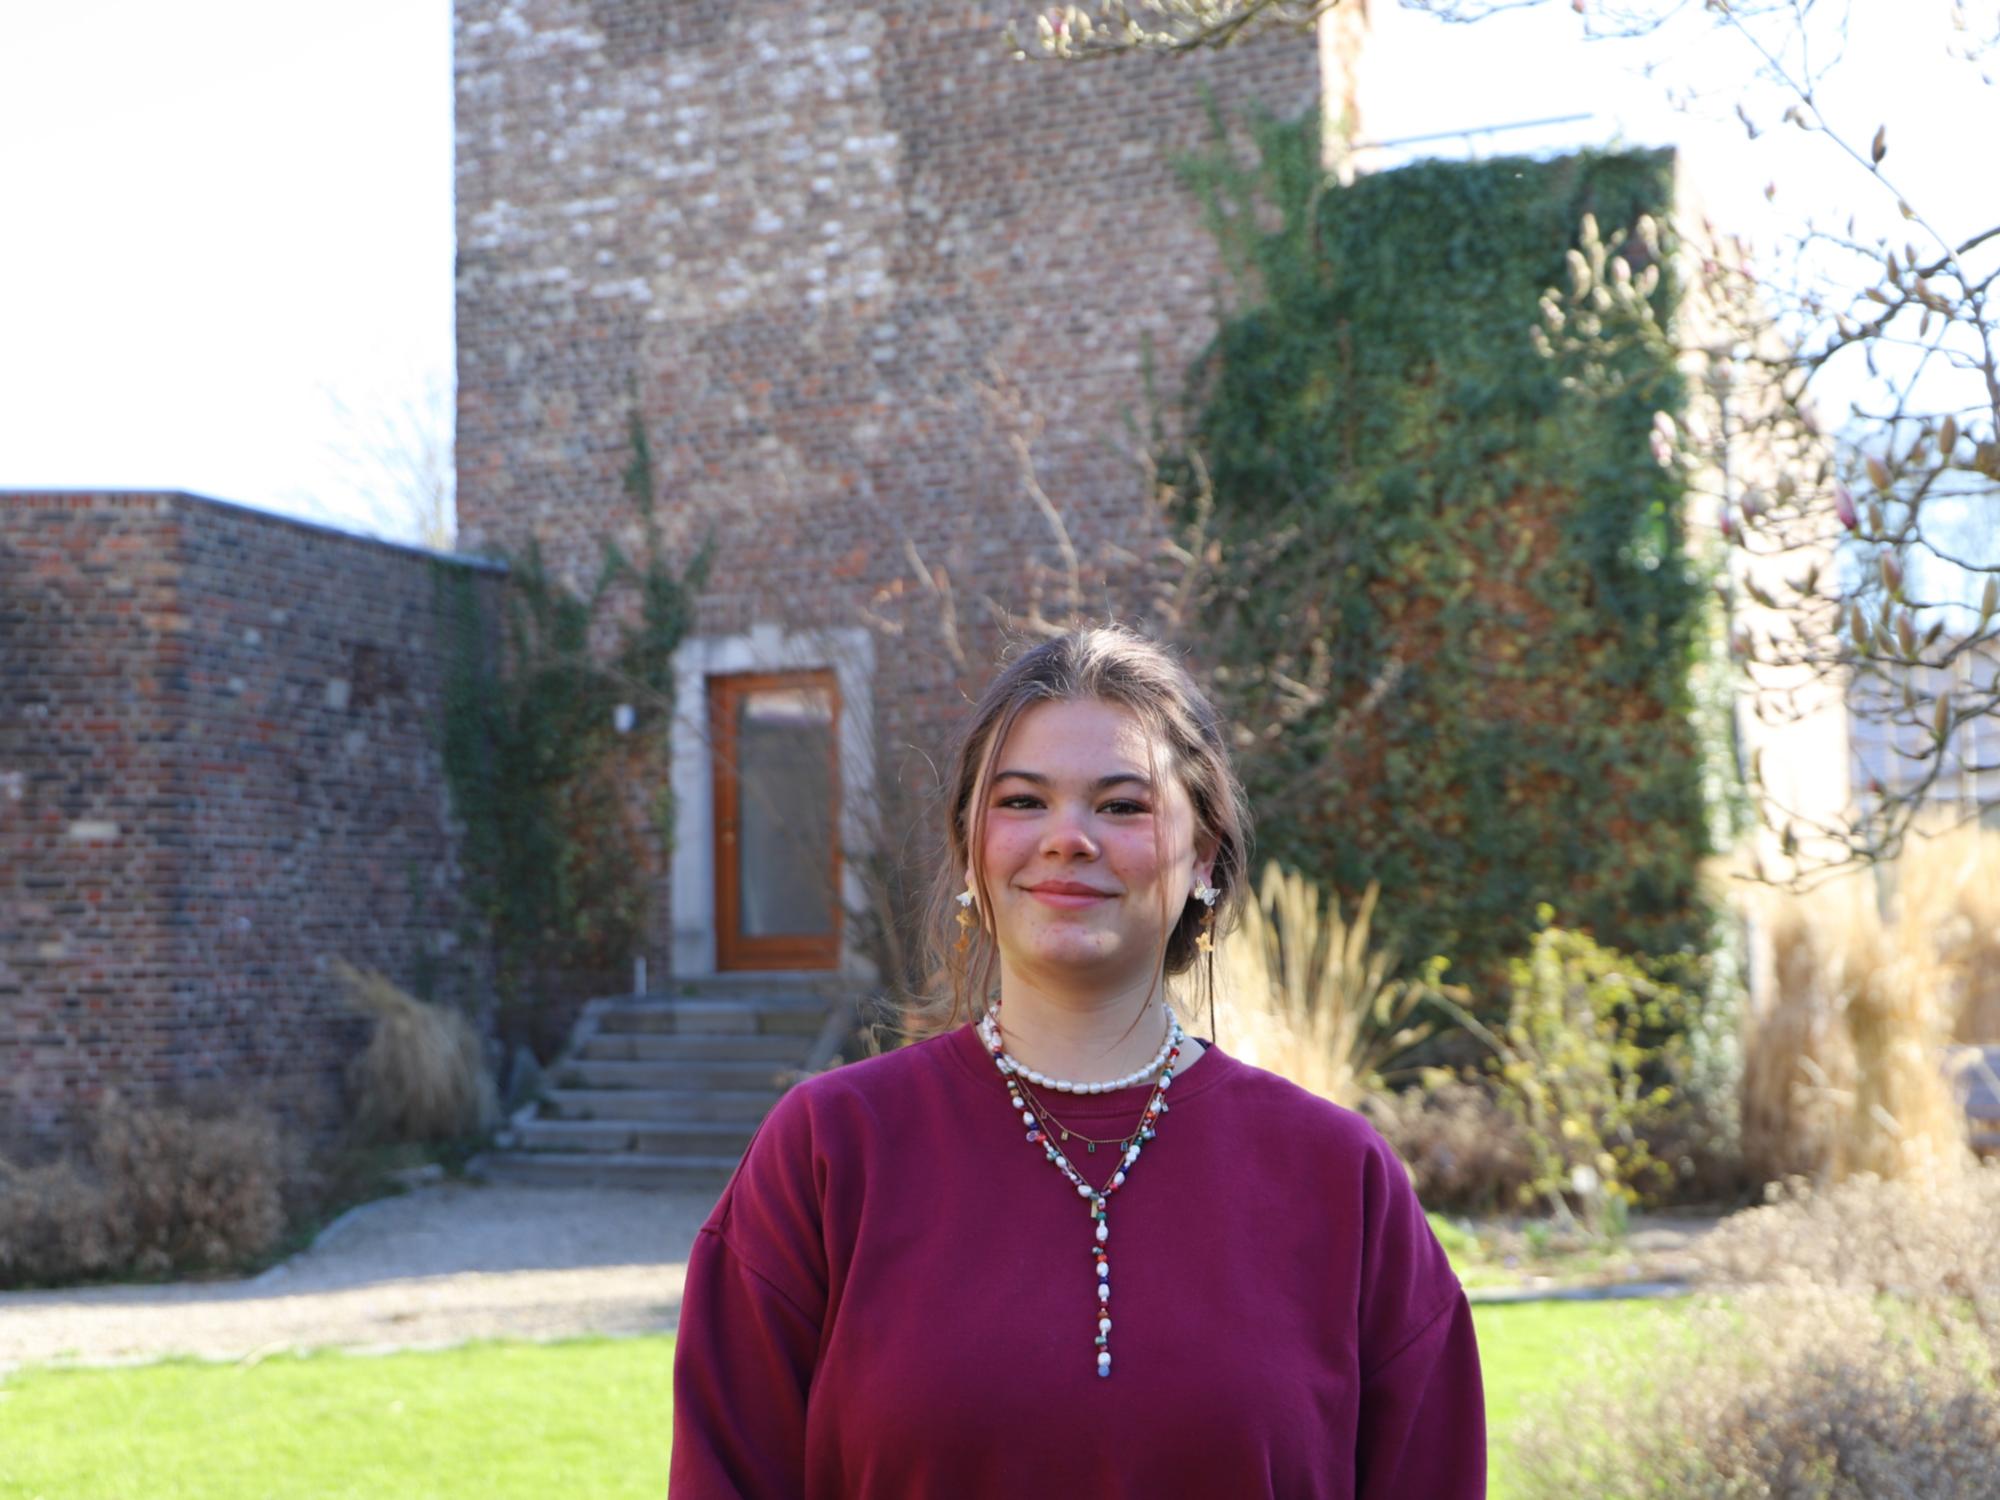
(733, 949)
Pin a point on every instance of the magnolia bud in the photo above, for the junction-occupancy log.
(1843, 506)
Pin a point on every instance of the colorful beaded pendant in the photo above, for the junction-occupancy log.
(1097, 1199)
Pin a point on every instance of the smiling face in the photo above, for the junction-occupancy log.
(1088, 860)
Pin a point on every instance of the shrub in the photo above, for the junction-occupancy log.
(423, 1076)
(1301, 992)
(159, 1190)
(1931, 1240)
(1793, 1394)
(1464, 1152)
(1587, 1064)
(1855, 1358)
(55, 1226)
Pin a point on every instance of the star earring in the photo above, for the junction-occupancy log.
(1205, 893)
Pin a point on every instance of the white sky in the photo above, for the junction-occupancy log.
(216, 211)
(221, 214)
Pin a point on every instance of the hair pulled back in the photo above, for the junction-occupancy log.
(1109, 664)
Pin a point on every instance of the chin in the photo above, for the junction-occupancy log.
(1075, 949)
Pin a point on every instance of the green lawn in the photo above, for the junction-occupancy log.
(480, 1422)
(489, 1421)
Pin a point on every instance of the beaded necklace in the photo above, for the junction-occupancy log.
(1097, 1198)
(1062, 1132)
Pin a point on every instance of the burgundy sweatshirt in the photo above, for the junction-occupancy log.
(895, 1298)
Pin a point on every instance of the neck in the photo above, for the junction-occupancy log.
(1087, 1038)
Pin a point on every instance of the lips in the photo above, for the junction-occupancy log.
(1067, 894)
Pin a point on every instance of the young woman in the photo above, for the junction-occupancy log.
(1063, 1248)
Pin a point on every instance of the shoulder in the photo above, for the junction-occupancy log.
(1275, 1103)
(819, 1143)
(882, 1080)
(1339, 1150)
(832, 1109)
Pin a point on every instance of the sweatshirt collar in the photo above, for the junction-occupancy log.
(1207, 1070)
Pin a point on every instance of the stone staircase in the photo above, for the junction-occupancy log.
(665, 1090)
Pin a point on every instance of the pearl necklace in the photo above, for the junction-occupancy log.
(1098, 1199)
(989, 1031)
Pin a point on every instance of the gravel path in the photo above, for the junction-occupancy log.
(452, 1261)
(447, 1262)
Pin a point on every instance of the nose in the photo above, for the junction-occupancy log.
(1066, 838)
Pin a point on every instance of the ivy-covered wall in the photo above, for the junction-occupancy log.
(1477, 573)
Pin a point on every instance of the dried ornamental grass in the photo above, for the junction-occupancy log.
(1300, 992)
(1844, 1063)
(1948, 887)
(1798, 1059)
(1906, 1119)
(423, 1076)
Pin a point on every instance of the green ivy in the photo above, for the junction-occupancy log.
(554, 800)
(1486, 561)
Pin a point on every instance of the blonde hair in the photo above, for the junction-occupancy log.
(1107, 664)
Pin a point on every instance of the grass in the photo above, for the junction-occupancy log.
(1530, 1353)
(1529, 1251)
(491, 1421)
(494, 1421)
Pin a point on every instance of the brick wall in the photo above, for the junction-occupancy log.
(218, 769)
(842, 255)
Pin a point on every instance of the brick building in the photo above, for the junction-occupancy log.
(218, 770)
(843, 260)
(847, 262)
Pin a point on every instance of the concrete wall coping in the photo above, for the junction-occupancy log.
(155, 498)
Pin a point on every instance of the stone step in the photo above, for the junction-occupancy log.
(744, 1105)
(783, 1048)
(603, 1169)
(740, 984)
(800, 1016)
(646, 1137)
(733, 1076)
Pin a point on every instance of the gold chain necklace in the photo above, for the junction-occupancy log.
(1091, 1142)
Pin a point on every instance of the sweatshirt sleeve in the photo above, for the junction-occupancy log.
(1422, 1427)
(751, 1316)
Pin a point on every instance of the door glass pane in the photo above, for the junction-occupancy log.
(786, 812)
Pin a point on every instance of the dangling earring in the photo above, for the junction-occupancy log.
(1205, 893)
(965, 919)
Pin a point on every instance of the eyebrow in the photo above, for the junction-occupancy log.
(1117, 778)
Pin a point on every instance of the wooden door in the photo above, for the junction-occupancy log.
(776, 743)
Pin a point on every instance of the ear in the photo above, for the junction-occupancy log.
(1204, 859)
